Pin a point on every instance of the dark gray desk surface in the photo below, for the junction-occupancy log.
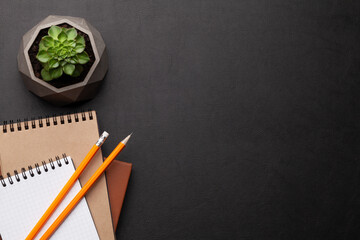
(245, 113)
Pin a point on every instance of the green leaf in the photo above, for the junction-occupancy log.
(56, 43)
(46, 66)
(53, 63)
(51, 52)
(62, 36)
(62, 53)
(69, 69)
(78, 70)
(62, 63)
(80, 40)
(43, 56)
(42, 46)
(56, 72)
(72, 43)
(58, 51)
(48, 41)
(83, 57)
(65, 43)
(45, 75)
(79, 48)
(73, 60)
(54, 32)
(71, 33)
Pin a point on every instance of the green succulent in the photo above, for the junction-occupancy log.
(62, 51)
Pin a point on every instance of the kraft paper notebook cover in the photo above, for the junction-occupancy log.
(25, 143)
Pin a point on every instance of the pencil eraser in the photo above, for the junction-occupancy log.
(105, 134)
(102, 139)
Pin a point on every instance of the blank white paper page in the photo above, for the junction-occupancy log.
(23, 203)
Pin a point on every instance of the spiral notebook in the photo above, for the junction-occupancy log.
(25, 196)
(24, 143)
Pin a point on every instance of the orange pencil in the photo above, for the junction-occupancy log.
(62, 194)
(63, 215)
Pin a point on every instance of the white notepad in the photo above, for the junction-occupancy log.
(23, 202)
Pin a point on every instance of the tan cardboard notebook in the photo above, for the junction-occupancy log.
(25, 143)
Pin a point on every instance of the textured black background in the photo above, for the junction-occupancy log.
(245, 113)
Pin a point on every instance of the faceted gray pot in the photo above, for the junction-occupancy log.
(85, 89)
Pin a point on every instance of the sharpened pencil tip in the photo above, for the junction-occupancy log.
(126, 139)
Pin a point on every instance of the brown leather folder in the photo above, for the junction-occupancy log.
(117, 177)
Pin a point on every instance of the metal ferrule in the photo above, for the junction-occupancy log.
(102, 139)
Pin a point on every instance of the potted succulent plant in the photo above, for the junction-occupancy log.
(63, 60)
(62, 51)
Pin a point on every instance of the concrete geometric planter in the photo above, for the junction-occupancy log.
(64, 95)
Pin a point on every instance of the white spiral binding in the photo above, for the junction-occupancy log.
(32, 172)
